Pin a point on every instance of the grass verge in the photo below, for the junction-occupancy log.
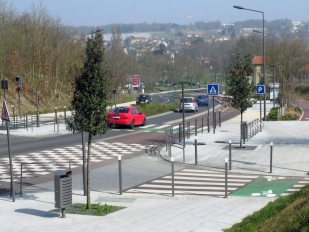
(289, 213)
(96, 209)
(157, 108)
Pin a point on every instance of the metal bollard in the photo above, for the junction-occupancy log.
(271, 157)
(230, 155)
(27, 121)
(13, 116)
(65, 112)
(219, 117)
(120, 174)
(195, 127)
(225, 178)
(172, 163)
(195, 144)
(179, 133)
(56, 120)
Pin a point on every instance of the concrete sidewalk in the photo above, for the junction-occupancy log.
(151, 212)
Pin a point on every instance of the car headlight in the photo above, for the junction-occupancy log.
(146, 100)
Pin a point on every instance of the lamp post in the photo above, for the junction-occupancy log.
(264, 71)
(273, 65)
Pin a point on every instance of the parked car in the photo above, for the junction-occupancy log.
(194, 84)
(143, 98)
(126, 116)
(188, 104)
(202, 100)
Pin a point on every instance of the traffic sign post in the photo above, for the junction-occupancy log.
(260, 90)
(213, 90)
(6, 117)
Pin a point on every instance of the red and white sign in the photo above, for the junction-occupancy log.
(135, 80)
(5, 113)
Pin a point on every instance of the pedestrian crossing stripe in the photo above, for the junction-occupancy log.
(194, 182)
(210, 183)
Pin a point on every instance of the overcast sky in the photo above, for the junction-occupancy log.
(101, 12)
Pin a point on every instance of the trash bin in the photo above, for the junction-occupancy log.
(63, 189)
(244, 130)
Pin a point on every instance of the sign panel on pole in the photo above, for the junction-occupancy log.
(260, 89)
(135, 80)
(5, 113)
(213, 89)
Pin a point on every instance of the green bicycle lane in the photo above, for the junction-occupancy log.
(271, 186)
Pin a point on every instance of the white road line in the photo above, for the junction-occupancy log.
(216, 175)
(176, 192)
(208, 179)
(163, 126)
(185, 187)
(199, 183)
(150, 125)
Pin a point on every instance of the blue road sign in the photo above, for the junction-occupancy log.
(213, 89)
(260, 89)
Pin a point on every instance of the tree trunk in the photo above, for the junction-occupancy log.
(88, 171)
(241, 130)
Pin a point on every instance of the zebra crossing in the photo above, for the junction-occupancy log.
(194, 182)
(296, 187)
(190, 182)
(46, 162)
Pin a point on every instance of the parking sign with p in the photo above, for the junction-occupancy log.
(260, 89)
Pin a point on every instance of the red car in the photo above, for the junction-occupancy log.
(126, 116)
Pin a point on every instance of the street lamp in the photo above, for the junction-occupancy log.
(273, 65)
(264, 71)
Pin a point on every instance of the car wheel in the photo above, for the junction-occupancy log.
(132, 124)
(144, 122)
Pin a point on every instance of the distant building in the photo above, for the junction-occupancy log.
(257, 62)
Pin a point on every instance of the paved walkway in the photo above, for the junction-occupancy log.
(151, 212)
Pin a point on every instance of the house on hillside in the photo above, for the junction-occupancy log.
(257, 62)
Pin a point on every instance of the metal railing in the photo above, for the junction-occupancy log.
(252, 128)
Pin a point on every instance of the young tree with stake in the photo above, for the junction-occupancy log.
(89, 100)
(239, 90)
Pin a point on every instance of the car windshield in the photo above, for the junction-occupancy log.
(143, 96)
(121, 110)
(202, 96)
(186, 100)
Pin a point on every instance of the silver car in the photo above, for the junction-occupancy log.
(189, 104)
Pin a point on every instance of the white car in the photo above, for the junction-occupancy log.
(189, 104)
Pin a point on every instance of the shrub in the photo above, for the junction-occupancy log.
(290, 115)
(272, 116)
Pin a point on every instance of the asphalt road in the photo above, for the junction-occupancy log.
(135, 173)
(23, 145)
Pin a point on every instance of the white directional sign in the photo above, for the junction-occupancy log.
(260, 89)
(213, 89)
